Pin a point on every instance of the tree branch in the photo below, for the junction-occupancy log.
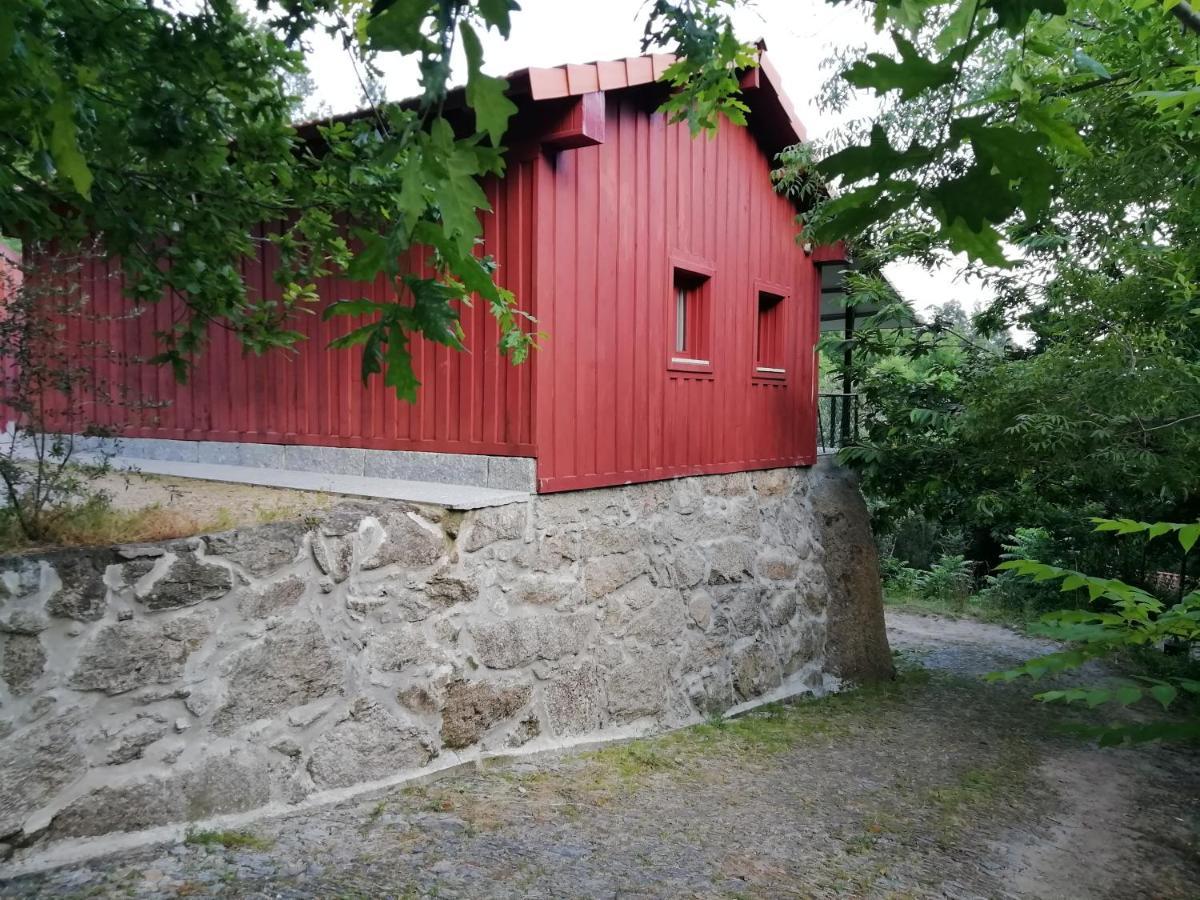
(1187, 16)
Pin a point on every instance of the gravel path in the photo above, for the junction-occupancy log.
(938, 785)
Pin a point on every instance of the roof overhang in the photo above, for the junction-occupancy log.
(568, 101)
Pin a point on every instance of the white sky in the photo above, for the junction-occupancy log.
(799, 35)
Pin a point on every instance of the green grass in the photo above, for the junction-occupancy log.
(759, 734)
(97, 522)
(230, 840)
(974, 608)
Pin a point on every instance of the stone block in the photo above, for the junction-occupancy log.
(544, 590)
(408, 540)
(491, 524)
(37, 763)
(660, 623)
(333, 555)
(219, 453)
(293, 665)
(133, 654)
(24, 621)
(185, 581)
(442, 468)
(781, 607)
(22, 661)
(369, 744)
(392, 648)
(776, 566)
(272, 598)
(130, 740)
(771, 483)
(755, 670)
(603, 575)
(160, 449)
(637, 688)
(730, 561)
(327, 460)
(574, 701)
(262, 456)
(472, 707)
(20, 576)
(449, 588)
(82, 594)
(606, 540)
(259, 549)
(514, 642)
(512, 473)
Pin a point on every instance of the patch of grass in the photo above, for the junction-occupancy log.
(635, 758)
(230, 840)
(975, 608)
(97, 521)
(374, 815)
(265, 515)
(762, 733)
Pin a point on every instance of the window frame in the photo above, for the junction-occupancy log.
(696, 275)
(759, 371)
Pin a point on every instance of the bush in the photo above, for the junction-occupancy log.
(948, 581)
(54, 398)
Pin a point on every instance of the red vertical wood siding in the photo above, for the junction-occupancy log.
(587, 238)
(610, 220)
(472, 402)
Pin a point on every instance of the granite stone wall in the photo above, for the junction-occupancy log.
(154, 684)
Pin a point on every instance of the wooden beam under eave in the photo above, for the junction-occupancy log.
(580, 124)
(824, 254)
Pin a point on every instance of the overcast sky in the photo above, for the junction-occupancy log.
(799, 35)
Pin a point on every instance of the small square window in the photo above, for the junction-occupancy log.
(689, 347)
(770, 344)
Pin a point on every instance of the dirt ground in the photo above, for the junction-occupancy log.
(936, 785)
(205, 501)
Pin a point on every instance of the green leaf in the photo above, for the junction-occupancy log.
(1188, 536)
(1013, 14)
(877, 159)
(1165, 694)
(496, 14)
(397, 25)
(485, 94)
(977, 198)
(1060, 132)
(982, 244)
(1086, 64)
(64, 145)
(1127, 694)
(911, 74)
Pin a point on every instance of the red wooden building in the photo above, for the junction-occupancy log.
(680, 310)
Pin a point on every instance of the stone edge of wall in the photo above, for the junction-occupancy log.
(508, 473)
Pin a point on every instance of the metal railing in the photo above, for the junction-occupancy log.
(837, 421)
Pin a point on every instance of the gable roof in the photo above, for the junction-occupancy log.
(772, 118)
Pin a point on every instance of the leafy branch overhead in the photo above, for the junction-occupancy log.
(984, 172)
